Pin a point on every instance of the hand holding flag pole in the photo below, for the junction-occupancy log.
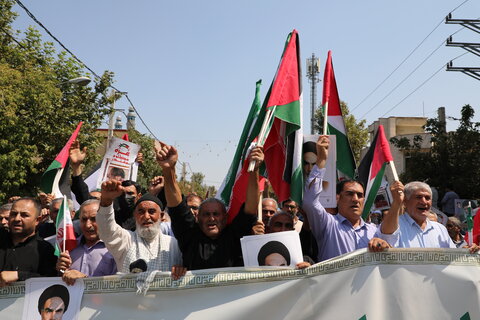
(263, 133)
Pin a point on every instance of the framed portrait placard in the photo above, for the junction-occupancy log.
(281, 249)
(309, 156)
(51, 298)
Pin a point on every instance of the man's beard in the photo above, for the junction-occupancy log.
(148, 233)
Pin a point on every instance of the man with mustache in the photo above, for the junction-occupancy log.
(23, 254)
(345, 231)
(146, 243)
(90, 258)
(208, 242)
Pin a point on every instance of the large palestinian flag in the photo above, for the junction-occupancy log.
(55, 179)
(283, 145)
(336, 126)
(372, 168)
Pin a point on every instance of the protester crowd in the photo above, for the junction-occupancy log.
(128, 228)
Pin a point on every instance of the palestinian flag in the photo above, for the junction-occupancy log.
(234, 187)
(55, 179)
(65, 239)
(336, 126)
(283, 145)
(372, 168)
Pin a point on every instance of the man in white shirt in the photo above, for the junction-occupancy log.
(147, 244)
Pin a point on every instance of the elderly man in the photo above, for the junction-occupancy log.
(269, 208)
(23, 254)
(413, 229)
(454, 227)
(4, 214)
(346, 231)
(90, 258)
(147, 244)
(208, 243)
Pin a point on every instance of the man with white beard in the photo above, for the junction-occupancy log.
(146, 249)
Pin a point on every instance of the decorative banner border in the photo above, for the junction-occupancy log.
(235, 276)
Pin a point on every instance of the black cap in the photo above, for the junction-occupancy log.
(149, 197)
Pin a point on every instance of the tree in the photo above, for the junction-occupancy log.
(196, 185)
(453, 158)
(356, 131)
(39, 108)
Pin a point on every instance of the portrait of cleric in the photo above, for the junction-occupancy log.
(53, 302)
(309, 159)
(274, 253)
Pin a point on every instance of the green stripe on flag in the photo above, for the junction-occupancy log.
(345, 160)
(372, 193)
(289, 113)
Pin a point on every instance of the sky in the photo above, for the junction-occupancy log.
(190, 67)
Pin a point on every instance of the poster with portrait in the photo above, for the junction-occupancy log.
(383, 199)
(280, 249)
(309, 158)
(51, 298)
(119, 162)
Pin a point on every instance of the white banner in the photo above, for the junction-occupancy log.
(397, 284)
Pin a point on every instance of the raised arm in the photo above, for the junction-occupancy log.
(167, 157)
(116, 239)
(390, 221)
(79, 187)
(253, 192)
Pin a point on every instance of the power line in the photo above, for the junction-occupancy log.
(408, 56)
(82, 63)
(421, 85)
(404, 79)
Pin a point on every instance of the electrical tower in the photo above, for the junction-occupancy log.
(474, 25)
(313, 69)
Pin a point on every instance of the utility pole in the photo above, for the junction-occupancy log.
(313, 70)
(474, 25)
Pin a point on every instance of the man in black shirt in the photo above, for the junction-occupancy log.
(23, 254)
(210, 243)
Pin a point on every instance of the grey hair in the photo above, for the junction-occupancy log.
(69, 201)
(413, 186)
(6, 207)
(89, 202)
(271, 199)
(455, 221)
(281, 213)
(213, 200)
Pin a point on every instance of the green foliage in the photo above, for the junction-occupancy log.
(196, 185)
(356, 131)
(453, 158)
(149, 168)
(39, 109)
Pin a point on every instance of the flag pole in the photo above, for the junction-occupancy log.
(325, 120)
(469, 224)
(394, 171)
(259, 212)
(64, 223)
(263, 133)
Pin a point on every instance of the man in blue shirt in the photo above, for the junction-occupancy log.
(346, 231)
(413, 229)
